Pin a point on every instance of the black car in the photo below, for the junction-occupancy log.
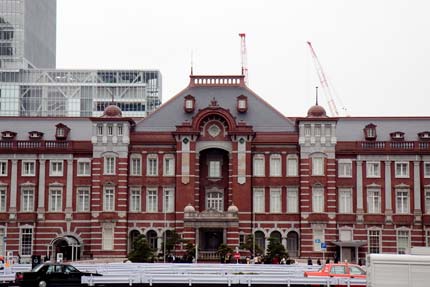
(51, 274)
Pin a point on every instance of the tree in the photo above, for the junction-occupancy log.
(249, 245)
(172, 238)
(142, 252)
(223, 251)
(190, 252)
(275, 249)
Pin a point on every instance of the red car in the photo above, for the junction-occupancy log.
(340, 270)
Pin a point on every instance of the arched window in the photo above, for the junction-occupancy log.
(152, 237)
(260, 240)
(277, 236)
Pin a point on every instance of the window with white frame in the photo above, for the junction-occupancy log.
(107, 237)
(56, 168)
(214, 168)
(258, 165)
(427, 169)
(55, 199)
(318, 238)
(427, 199)
(135, 199)
(26, 241)
(109, 130)
(3, 168)
(135, 165)
(109, 165)
(292, 199)
(109, 198)
(2, 235)
(99, 130)
(317, 166)
(402, 169)
(374, 241)
(28, 168)
(84, 168)
(275, 200)
(152, 165)
(258, 194)
(403, 241)
(373, 200)
(345, 200)
(169, 200)
(344, 168)
(27, 199)
(2, 200)
(215, 200)
(317, 130)
(169, 165)
(317, 199)
(373, 169)
(307, 130)
(292, 166)
(275, 165)
(402, 200)
(327, 130)
(83, 199)
(151, 200)
(119, 129)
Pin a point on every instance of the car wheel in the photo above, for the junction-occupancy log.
(42, 284)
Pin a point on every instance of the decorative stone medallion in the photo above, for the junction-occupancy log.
(214, 130)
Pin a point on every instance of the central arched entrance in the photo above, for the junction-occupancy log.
(68, 246)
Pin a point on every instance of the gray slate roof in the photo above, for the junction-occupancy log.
(260, 115)
(351, 129)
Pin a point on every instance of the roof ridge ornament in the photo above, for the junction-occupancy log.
(213, 103)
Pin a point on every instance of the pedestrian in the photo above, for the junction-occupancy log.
(318, 261)
(310, 261)
(283, 260)
(327, 261)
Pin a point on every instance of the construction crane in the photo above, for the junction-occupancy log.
(325, 84)
(243, 54)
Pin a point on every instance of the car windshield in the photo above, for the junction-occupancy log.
(37, 268)
(70, 268)
(356, 270)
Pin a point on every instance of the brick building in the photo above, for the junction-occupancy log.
(215, 163)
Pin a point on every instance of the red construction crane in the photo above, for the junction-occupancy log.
(243, 53)
(325, 84)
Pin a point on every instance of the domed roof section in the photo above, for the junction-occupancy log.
(233, 208)
(317, 112)
(189, 208)
(112, 111)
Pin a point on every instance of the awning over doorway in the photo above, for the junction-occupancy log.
(352, 243)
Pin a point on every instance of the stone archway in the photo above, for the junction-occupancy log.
(68, 245)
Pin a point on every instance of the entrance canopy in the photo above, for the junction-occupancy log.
(352, 243)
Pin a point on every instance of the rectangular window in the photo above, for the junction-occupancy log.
(427, 169)
(169, 200)
(258, 200)
(120, 130)
(135, 166)
(56, 168)
(292, 199)
(169, 168)
(402, 200)
(318, 199)
(2, 235)
(55, 200)
(402, 169)
(152, 166)
(214, 168)
(328, 130)
(83, 200)
(345, 169)
(3, 168)
(109, 198)
(258, 165)
(307, 130)
(275, 200)
(2, 201)
(318, 238)
(27, 197)
(28, 168)
(110, 130)
(374, 239)
(99, 130)
(373, 200)
(151, 200)
(26, 241)
(84, 168)
(317, 130)
(135, 200)
(317, 166)
(109, 167)
(403, 243)
(107, 239)
(427, 199)
(275, 166)
(373, 169)
(292, 167)
(345, 200)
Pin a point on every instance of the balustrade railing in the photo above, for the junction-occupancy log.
(393, 146)
(36, 145)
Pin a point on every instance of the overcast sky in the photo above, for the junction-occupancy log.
(375, 53)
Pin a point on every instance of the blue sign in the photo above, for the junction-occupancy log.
(323, 245)
(317, 240)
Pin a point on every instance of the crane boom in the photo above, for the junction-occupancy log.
(324, 82)
(243, 54)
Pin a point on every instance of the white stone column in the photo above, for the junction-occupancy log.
(388, 203)
(241, 160)
(42, 175)
(185, 158)
(417, 189)
(13, 189)
(359, 186)
(69, 189)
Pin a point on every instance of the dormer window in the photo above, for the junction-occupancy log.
(8, 135)
(424, 135)
(370, 132)
(242, 104)
(397, 136)
(62, 131)
(35, 135)
(189, 103)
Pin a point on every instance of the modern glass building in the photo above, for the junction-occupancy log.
(27, 34)
(75, 93)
